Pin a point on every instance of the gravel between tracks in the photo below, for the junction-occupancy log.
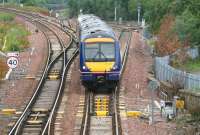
(18, 95)
(139, 61)
(74, 93)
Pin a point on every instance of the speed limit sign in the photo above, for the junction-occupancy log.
(12, 62)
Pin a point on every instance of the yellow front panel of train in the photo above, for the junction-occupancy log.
(100, 66)
(94, 40)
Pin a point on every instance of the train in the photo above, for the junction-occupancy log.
(100, 59)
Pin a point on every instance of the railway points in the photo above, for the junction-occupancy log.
(38, 115)
(96, 113)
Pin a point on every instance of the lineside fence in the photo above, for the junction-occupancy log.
(181, 79)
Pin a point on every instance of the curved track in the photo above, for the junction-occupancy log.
(38, 114)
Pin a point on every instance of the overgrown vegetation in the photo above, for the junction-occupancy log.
(3, 68)
(190, 118)
(196, 116)
(6, 17)
(29, 7)
(185, 25)
(103, 8)
(13, 36)
(186, 13)
(191, 65)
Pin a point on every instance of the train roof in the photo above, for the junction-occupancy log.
(92, 26)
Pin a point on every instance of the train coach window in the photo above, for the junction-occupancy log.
(108, 50)
(90, 51)
(99, 52)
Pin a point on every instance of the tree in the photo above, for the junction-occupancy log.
(74, 8)
(188, 27)
(102, 8)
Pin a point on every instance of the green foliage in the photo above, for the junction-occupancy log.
(6, 17)
(103, 8)
(196, 116)
(35, 9)
(74, 8)
(186, 13)
(33, 2)
(13, 37)
(27, 2)
(132, 6)
(192, 65)
(16, 38)
(154, 11)
(188, 27)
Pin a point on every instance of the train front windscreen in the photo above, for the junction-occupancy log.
(99, 52)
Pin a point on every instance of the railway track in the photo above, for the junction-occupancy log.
(37, 116)
(69, 30)
(101, 113)
(101, 109)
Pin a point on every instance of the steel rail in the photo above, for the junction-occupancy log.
(36, 91)
(67, 29)
(35, 95)
(115, 117)
(117, 125)
(66, 67)
(36, 15)
(52, 113)
(85, 121)
(86, 118)
(60, 88)
(52, 62)
(21, 118)
(125, 55)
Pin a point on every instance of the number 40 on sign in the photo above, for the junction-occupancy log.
(12, 62)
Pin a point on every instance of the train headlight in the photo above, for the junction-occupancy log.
(114, 67)
(84, 67)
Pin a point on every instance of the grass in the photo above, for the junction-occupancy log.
(189, 118)
(36, 9)
(28, 8)
(6, 17)
(13, 36)
(16, 38)
(192, 65)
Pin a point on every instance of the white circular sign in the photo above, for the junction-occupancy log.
(12, 62)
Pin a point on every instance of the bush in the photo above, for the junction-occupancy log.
(196, 116)
(15, 37)
(6, 17)
(188, 28)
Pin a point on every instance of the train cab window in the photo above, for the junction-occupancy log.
(99, 52)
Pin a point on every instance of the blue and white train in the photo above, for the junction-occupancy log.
(100, 59)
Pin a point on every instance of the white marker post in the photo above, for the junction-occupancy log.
(138, 10)
(152, 86)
